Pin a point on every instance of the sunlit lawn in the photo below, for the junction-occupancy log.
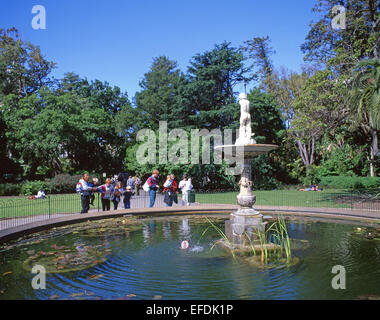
(21, 206)
(293, 198)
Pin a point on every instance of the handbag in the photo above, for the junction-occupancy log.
(146, 186)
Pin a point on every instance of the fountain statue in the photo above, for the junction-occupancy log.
(245, 130)
(243, 225)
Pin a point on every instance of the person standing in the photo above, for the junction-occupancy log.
(117, 195)
(107, 191)
(185, 185)
(137, 185)
(153, 187)
(85, 190)
(127, 197)
(131, 183)
(170, 190)
(123, 177)
(92, 195)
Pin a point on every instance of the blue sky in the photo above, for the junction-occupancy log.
(115, 40)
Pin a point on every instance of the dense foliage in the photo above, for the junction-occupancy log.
(326, 118)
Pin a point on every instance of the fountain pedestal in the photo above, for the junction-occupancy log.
(246, 223)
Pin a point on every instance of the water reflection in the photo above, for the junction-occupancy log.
(184, 229)
(143, 259)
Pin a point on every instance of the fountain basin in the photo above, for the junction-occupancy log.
(249, 150)
(146, 262)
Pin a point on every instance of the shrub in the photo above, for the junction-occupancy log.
(64, 183)
(32, 187)
(10, 189)
(346, 182)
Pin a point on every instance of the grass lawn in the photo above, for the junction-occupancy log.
(21, 206)
(11, 207)
(292, 198)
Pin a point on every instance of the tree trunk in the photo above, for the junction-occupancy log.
(375, 143)
(374, 151)
(306, 152)
(56, 166)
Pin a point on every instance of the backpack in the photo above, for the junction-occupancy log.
(79, 187)
(146, 186)
(168, 183)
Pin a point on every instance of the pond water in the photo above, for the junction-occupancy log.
(133, 258)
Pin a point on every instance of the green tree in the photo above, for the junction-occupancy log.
(259, 50)
(209, 93)
(269, 127)
(110, 104)
(366, 96)
(50, 128)
(159, 99)
(23, 69)
(343, 48)
(318, 110)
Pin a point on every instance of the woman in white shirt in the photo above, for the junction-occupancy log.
(185, 185)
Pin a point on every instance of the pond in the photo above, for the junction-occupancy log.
(141, 258)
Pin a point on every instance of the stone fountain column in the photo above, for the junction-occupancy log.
(246, 222)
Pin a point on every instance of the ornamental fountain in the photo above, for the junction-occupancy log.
(244, 224)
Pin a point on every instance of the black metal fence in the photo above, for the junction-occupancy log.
(15, 211)
(328, 198)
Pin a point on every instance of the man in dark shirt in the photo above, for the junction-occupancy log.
(153, 187)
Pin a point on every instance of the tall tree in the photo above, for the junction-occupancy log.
(23, 69)
(259, 50)
(159, 99)
(210, 92)
(366, 95)
(319, 109)
(344, 47)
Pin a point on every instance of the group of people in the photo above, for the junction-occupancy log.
(111, 191)
(170, 189)
(117, 188)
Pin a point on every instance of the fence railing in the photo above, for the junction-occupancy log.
(328, 198)
(15, 211)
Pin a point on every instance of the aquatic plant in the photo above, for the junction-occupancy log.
(270, 244)
(221, 233)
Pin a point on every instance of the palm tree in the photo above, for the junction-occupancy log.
(366, 95)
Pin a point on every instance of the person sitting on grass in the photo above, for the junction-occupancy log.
(40, 195)
(313, 187)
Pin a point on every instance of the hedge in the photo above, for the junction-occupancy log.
(63, 183)
(346, 182)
